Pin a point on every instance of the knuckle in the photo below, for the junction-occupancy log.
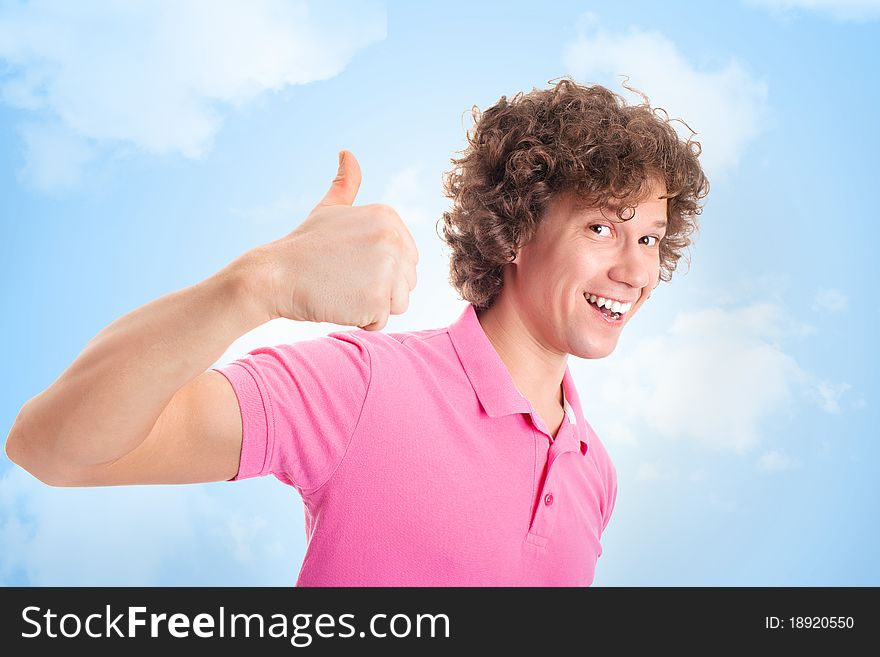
(387, 211)
(387, 264)
(379, 321)
(382, 211)
(393, 239)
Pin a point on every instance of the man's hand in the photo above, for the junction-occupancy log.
(345, 264)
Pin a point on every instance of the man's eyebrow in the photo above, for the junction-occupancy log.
(659, 224)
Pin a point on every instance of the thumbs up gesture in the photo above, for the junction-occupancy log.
(345, 264)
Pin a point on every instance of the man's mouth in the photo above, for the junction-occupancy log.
(612, 311)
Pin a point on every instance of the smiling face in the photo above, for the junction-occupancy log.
(575, 254)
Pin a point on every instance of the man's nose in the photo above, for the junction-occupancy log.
(631, 266)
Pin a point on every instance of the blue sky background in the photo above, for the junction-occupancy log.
(144, 147)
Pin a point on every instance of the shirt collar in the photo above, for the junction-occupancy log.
(569, 411)
(487, 372)
(489, 376)
(573, 406)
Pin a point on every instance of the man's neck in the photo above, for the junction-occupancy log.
(536, 372)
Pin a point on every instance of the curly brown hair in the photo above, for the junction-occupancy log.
(566, 139)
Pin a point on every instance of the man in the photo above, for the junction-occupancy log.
(449, 456)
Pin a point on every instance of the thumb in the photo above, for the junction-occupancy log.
(345, 185)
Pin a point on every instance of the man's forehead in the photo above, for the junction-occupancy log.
(579, 207)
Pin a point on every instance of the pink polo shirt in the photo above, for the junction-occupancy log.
(420, 464)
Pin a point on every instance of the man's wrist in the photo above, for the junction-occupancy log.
(248, 281)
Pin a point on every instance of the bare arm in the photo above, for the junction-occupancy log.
(105, 404)
(138, 406)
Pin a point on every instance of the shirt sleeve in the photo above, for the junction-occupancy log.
(300, 404)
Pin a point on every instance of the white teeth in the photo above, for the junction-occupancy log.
(614, 306)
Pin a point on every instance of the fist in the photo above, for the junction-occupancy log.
(345, 264)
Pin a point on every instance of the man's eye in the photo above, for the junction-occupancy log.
(652, 237)
(599, 226)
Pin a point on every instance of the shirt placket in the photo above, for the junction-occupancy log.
(549, 504)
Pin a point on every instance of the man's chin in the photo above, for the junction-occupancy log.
(595, 352)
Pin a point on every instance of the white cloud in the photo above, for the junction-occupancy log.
(242, 530)
(715, 501)
(160, 75)
(620, 433)
(839, 10)
(830, 300)
(713, 378)
(829, 394)
(725, 105)
(420, 202)
(287, 210)
(648, 471)
(54, 157)
(276, 332)
(416, 201)
(775, 461)
(700, 474)
(204, 534)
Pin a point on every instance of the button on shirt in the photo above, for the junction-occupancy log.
(420, 464)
